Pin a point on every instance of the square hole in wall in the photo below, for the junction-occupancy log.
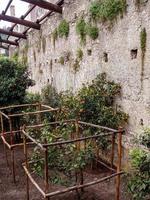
(133, 53)
(105, 57)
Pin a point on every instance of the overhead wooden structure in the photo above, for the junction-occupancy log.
(14, 43)
(22, 21)
(45, 5)
(19, 21)
(12, 33)
(3, 47)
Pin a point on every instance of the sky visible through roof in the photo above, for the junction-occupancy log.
(21, 8)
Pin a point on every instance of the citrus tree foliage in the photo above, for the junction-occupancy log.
(14, 79)
(64, 161)
(94, 103)
(139, 180)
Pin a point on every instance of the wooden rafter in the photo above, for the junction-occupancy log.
(7, 7)
(12, 33)
(3, 47)
(45, 5)
(19, 21)
(9, 42)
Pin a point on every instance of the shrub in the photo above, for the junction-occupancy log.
(139, 182)
(32, 98)
(14, 78)
(94, 103)
(107, 10)
(144, 137)
(50, 96)
(63, 29)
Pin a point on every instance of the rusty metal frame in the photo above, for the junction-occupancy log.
(115, 173)
(11, 146)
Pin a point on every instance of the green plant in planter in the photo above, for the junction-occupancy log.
(81, 30)
(107, 10)
(63, 29)
(92, 31)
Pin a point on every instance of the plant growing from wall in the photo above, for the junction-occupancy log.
(62, 60)
(34, 56)
(76, 65)
(63, 29)
(92, 31)
(79, 54)
(107, 10)
(143, 41)
(44, 44)
(81, 30)
(55, 36)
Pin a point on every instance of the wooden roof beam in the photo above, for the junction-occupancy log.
(9, 42)
(12, 33)
(20, 21)
(45, 5)
(3, 47)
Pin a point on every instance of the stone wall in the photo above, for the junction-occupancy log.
(120, 43)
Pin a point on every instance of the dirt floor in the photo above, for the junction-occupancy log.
(11, 191)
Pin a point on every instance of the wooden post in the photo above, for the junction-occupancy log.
(46, 172)
(2, 124)
(112, 150)
(26, 163)
(77, 134)
(39, 118)
(12, 150)
(119, 164)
